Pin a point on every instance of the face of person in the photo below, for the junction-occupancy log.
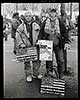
(17, 16)
(43, 18)
(28, 17)
(53, 14)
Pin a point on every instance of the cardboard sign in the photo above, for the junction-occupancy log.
(30, 55)
(46, 48)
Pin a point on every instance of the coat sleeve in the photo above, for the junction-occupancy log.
(21, 37)
(64, 30)
(68, 33)
(19, 41)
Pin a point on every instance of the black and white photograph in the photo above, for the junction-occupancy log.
(40, 50)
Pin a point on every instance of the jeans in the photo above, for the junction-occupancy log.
(59, 58)
(29, 70)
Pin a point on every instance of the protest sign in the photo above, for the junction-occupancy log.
(46, 48)
(29, 55)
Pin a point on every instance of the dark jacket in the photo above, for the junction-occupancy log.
(61, 36)
(27, 34)
(50, 32)
(42, 34)
(65, 30)
(15, 23)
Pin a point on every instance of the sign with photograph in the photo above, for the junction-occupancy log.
(29, 55)
(46, 48)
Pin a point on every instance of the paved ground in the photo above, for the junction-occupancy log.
(15, 85)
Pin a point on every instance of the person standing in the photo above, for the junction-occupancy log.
(51, 31)
(26, 31)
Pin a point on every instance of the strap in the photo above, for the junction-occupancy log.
(21, 38)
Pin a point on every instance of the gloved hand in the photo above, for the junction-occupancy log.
(22, 46)
(38, 43)
(67, 46)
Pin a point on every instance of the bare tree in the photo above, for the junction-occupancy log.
(62, 7)
(70, 10)
(65, 51)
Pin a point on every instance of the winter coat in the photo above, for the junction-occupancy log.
(27, 34)
(14, 23)
(50, 31)
(65, 28)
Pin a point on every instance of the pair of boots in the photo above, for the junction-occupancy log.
(30, 77)
(55, 74)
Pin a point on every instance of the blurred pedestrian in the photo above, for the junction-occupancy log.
(6, 31)
(15, 23)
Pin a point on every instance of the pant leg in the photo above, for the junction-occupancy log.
(27, 68)
(60, 59)
(14, 44)
(49, 64)
(36, 66)
(42, 68)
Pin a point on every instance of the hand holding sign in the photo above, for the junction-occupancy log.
(67, 46)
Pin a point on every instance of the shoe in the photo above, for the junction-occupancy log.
(29, 78)
(40, 76)
(34, 76)
(61, 76)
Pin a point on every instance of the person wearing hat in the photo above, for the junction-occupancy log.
(28, 26)
(51, 31)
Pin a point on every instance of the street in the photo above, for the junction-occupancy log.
(15, 85)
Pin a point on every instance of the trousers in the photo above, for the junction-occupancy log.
(59, 54)
(29, 71)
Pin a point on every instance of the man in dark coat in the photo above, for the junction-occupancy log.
(51, 31)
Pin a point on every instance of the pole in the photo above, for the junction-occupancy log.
(16, 7)
(70, 10)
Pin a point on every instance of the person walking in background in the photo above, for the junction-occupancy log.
(5, 29)
(15, 23)
(22, 18)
